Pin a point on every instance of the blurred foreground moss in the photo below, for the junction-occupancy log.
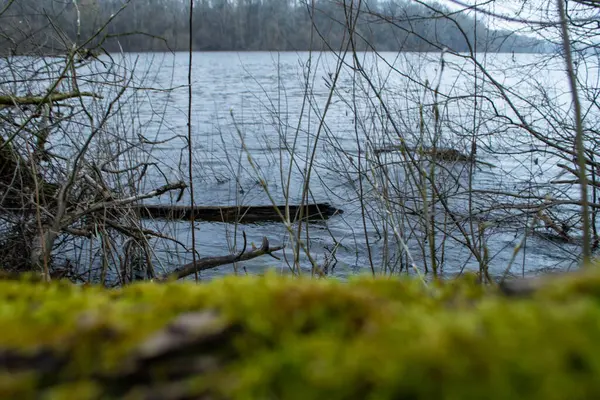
(278, 338)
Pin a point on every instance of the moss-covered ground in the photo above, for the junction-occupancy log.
(282, 338)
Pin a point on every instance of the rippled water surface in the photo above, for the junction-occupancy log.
(263, 106)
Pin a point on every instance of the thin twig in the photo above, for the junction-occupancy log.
(189, 126)
(580, 146)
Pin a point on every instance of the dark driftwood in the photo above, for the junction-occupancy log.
(213, 262)
(238, 213)
(440, 153)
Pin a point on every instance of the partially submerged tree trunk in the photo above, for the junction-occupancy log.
(240, 214)
(440, 154)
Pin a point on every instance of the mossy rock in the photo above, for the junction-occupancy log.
(281, 338)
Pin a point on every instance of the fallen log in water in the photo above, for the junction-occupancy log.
(440, 153)
(241, 214)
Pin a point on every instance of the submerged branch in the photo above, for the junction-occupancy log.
(213, 262)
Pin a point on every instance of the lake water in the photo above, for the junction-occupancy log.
(275, 102)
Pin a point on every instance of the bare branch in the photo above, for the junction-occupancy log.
(8, 101)
(213, 262)
(125, 201)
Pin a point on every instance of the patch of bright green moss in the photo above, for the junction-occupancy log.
(282, 338)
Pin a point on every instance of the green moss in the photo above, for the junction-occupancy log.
(279, 338)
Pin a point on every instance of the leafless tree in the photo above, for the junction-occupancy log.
(430, 127)
(75, 165)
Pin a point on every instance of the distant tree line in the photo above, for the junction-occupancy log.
(159, 25)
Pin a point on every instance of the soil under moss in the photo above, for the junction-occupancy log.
(279, 338)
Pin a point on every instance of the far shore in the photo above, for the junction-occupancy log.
(157, 51)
